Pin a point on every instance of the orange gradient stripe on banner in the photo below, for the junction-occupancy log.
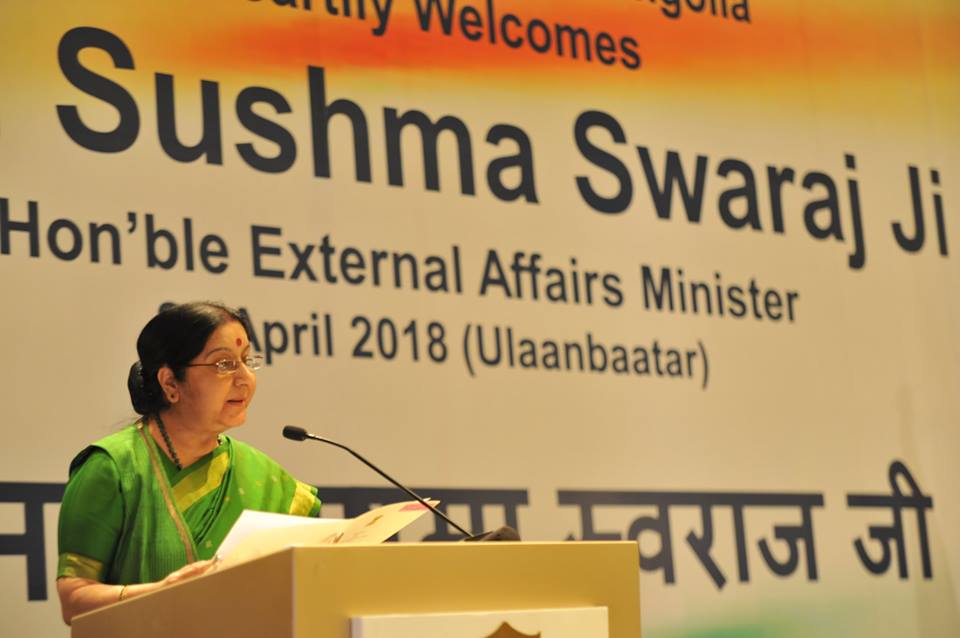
(698, 47)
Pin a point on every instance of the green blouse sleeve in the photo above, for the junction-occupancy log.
(91, 518)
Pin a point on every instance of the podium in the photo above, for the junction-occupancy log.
(314, 591)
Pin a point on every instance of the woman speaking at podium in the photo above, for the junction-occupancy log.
(149, 505)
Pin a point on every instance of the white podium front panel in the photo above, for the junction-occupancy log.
(583, 622)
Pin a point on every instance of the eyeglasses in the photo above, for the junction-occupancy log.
(229, 366)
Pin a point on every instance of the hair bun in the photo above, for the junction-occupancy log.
(145, 399)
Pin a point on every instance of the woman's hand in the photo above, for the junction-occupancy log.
(80, 595)
(189, 571)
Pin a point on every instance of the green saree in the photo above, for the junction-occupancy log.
(130, 516)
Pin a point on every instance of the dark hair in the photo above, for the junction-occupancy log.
(173, 338)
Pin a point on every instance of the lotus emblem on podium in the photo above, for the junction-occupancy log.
(506, 631)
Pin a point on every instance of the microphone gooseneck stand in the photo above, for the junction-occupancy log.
(295, 433)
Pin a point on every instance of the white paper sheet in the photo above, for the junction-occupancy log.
(251, 522)
(257, 534)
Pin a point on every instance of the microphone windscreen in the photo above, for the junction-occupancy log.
(294, 433)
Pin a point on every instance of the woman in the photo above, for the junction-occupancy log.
(149, 506)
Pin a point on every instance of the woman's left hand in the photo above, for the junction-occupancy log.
(189, 571)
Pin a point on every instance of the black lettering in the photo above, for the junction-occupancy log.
(830, 204)
(523, 160)
(602, 159)
(915, 243)
(512, 42)
(96, 230)
(267, 129)
(399, 259)
(776, 179)
(493, 275)
(303, 261)
(671, 8)
(605, 45)
(674, 174)
(259, 251)
(320, 114)
(31, 226)
(748, 192)
(614, 295)
(545, 40)
(425, 15)
(630, 58)
(125, 133)
(661, 295)
(153, 236)
(737, 306)
(429, 132)
(471, 23)
(30, 543)
(213, 247)
(352, 260)
(270, 346)
(76, 240)
(209, 145)
(576, 37)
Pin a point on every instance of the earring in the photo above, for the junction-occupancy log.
(171, 397)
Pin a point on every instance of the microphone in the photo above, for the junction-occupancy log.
(295, 433)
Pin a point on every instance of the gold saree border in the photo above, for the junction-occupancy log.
(201, 481)
(72, 565)
(168, 499)
(303, 499)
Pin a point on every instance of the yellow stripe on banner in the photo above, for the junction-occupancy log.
(77, 566)
(303, 500)
(200, 482)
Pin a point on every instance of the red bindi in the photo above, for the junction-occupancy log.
(239, 341)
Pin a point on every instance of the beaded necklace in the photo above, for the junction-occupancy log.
(166, 439)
